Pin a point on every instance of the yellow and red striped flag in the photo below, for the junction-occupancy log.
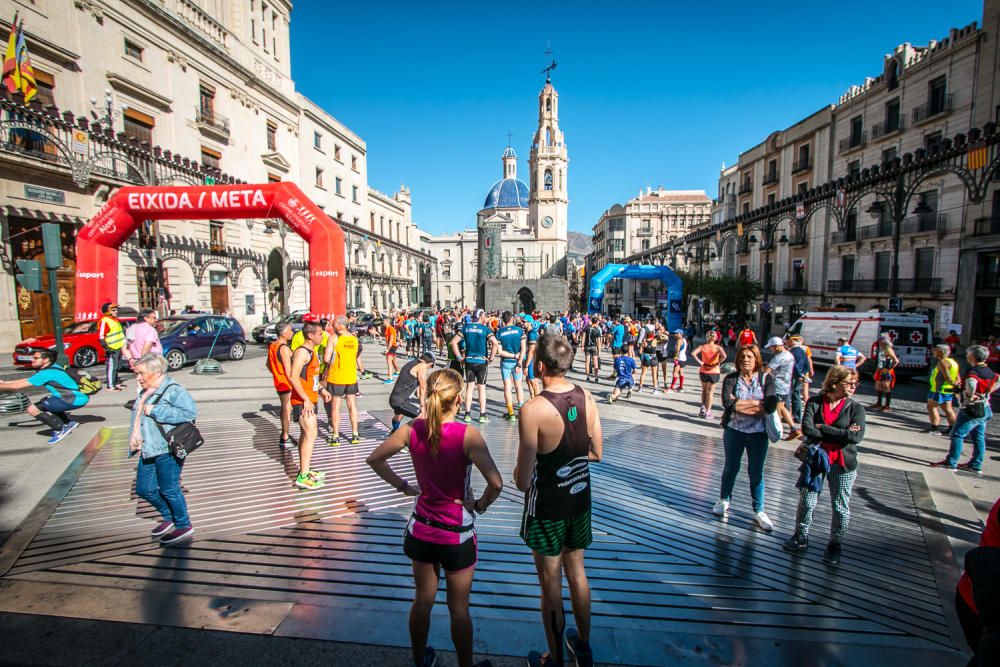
(11, 75)
(28, 85)
(977, 157)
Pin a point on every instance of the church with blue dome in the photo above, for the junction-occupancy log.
(516, 258)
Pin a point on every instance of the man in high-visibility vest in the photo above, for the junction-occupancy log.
(112, 336)
(943, 379)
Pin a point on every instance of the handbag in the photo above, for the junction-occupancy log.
(182, 439)
(773, 423)
(975, 409)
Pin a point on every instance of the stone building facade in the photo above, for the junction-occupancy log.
(178, 92)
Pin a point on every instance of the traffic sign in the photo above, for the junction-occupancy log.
(29, 274)
(895, 305)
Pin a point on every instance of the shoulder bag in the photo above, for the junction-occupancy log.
(183, 438)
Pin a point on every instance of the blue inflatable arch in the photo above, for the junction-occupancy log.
(669, 279)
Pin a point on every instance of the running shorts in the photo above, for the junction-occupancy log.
(457, 366)
(407, 408)
(939, 397)
(54, 404)
(296, 411)
(679, 363)
(649, 360)
(617, 351)
(550, 536)
(590, 351)
(475, 373)
(886, 375)
(509, 368)
(710, 378)
(282, 388)
(391, 352)
(531, 371)
(625, 383)
(342, 389)
(451, 557)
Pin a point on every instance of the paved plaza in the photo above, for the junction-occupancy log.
(273, 569)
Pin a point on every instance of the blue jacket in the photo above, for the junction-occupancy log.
(173, 405)
(801, 368)
(814, 470)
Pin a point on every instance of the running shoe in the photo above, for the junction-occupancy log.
(388, 380)
(177, 535)
(796, 543)
(366, 375)
(611, 401)
(628, 394)
(709, 415)
(794, 435)
(318, 474)
(396, 374)
(762, 521)
(70, 426)
(355, 439)
(286, 443)
(721, 507)
(638, 390)
(536, 659)
(333, 440)
(510, 417)
(701, 411)
(467, 418)
(832, 554)
(484, 419)
(57, 436)
(579, 650)
(655, 391)
(308, 482)
(162, 528)
(967, 467)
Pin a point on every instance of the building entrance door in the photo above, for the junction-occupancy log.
(34, 309)
(219, 287)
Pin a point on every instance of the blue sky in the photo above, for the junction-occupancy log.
(651, 93)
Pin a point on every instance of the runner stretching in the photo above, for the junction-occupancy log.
(412, 380)
(559, 433)
(279, 362)
(306, 391)
(710, 356)
(513, 348)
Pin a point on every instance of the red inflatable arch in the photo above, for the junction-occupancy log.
(97, 243)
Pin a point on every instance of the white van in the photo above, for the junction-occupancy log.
(910, 335)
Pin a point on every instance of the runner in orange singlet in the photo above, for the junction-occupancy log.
(391, 365)
(306, 390)
(279, 362)
(711, 356)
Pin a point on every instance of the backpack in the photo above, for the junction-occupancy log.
(87, 383)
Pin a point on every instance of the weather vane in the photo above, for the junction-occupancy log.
(509, 136)
(548, 70)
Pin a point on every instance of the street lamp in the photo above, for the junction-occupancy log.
(767, 242)
(104, 112)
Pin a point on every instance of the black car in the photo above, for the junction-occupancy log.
(188, 337)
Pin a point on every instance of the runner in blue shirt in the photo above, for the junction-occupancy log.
(64, 394)
(848, 356)
(533, 328)
(513, 350)
(624, 368)
(426, 333)
(617, 337)
(480, 344)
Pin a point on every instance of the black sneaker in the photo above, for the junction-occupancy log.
(796, 543)
(967, 467)
(832, 554)
(286, 443)
(430, 658)
(177, 535)
(579, 650)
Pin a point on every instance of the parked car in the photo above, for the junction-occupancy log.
(189, 337)
(265, 333)
(80, 342)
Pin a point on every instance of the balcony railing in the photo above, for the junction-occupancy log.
(871, 285)
(644, 231)
(795, 287)
(854, 141)
(212, 120)
(802, 165)
(924, 223)
(987, 226)
(932, 108)
(844, 236)
(875, 231)
(887, 127)
(746, 187)
(770, 178)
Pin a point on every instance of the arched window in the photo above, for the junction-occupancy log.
(548, 179)
(548, 104)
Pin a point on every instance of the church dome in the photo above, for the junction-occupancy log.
(509, 153)
(507, 193)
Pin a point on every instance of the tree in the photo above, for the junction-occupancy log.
(732, 294)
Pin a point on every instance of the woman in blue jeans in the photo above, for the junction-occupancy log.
(977, 386)
(158, 476)
(747, 396)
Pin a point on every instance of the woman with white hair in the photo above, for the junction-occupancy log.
(162, 405)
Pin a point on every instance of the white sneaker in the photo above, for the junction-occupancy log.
(721, 507)
(763, 522)
(655, 390)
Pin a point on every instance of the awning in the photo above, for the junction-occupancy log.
(42, 216)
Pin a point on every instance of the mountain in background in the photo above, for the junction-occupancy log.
(579, 243)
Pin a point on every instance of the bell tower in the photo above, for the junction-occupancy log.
(548, 163)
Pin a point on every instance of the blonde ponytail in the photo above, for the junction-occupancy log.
(443, 387)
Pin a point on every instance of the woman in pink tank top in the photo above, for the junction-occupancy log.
(440, 533)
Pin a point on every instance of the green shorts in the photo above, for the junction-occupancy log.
(550, 536)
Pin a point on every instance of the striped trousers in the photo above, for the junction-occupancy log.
(841, 482)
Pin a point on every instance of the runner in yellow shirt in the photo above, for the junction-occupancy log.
(342, 380)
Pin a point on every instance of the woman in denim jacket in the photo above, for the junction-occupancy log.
(158, 476)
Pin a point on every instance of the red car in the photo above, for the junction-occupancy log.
(83, 347)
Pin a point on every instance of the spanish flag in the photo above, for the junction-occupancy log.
(28, 85)
(11, 75)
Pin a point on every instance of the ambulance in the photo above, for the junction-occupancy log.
(910, 335)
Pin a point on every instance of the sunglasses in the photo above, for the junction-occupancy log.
(850, 383)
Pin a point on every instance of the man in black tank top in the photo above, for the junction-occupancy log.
(412, 378)
(560, 434)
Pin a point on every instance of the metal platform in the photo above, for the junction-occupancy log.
(668, 578)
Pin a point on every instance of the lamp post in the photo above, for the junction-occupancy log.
(104, 112)
(767, 242)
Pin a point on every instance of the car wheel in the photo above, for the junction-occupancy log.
(85, 357)
(237, 351)
(175, 359)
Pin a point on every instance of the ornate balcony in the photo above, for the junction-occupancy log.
(746, 187)
(802, 165)
(925, 223)
(878, 231)
(932, 109)
(795, 287)
(987, 226)
(877, 285)
(212, 124)
(770, 179)
(887, 127)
